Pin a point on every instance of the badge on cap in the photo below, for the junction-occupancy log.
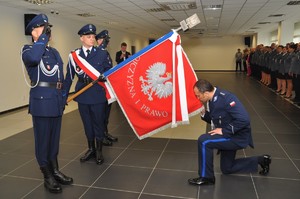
(91, 27)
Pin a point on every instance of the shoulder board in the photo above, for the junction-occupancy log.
(221, 93)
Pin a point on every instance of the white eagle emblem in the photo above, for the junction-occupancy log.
(157, 81)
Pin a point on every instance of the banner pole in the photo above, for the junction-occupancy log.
(84, 89)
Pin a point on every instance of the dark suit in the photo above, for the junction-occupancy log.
(92, 102)
(46, 102)
(118, 55)
(228, 113)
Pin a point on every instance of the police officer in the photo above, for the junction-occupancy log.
(295, 73)
(46, 103)
(102, 41)
(230, 132)
(92, 102)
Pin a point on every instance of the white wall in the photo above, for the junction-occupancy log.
(13, 90)
(213, 53)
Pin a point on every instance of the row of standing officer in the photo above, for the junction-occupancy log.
(49, 92)
(281, 63)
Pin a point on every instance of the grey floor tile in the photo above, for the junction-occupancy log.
(68, 192)
(29, 170)
(138, 158)
(179, 161)
(149, 144)
(182, 146)
(70, 151)
(153, 196)
(124, 178)
(111, 154)
(288, 138)
(272, 149)
(171, 183)
(269, 188)
(292, 150)
(123, 141)
(11, 162)
(105, 193)
(24, 150)
(14, 188)
(263, 138)
(297, 163)
(229, 187)
(84, 174)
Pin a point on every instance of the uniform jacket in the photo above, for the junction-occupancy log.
(288, 61)
(44, 101)
(295, 65)
(118, 55)
(95, 94)
(228, 113)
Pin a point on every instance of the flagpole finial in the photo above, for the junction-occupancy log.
(188, 23)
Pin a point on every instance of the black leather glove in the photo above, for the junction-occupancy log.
(47, 29)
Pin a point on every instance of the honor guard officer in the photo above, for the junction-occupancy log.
(46, 103)
(230, 132)
(92, 102)
(102, 41)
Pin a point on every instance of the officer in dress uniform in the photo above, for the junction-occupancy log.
(92, 102)
(230, 132)
(102, 40)
(46, 103)
(295, 73)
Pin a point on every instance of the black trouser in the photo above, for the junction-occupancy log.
(238, 63)
(46, 136)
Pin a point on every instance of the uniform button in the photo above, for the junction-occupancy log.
(41, 97)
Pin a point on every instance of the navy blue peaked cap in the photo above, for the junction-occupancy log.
(102, 34)
(87, 30)
(37, 21)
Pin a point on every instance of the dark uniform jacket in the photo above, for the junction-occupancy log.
(295, 64)
(228, 113)
(95, 94)
(44, 101)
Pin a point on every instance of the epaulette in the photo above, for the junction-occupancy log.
(222, 93)
(75, 50)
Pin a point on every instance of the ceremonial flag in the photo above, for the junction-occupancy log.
(154, 87)
(92, 73)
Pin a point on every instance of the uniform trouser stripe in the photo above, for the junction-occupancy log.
(204, 152)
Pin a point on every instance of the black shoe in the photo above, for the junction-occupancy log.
(265, 165)
(91, 153)
(111, 138)
(49, 181)
(106, 142)
(99, 156)
(202, 181)
(59, 176)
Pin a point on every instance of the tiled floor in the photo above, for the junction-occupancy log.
(158, 168)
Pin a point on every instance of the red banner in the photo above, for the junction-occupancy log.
(155, 87)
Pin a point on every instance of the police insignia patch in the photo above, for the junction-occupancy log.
(232, 103)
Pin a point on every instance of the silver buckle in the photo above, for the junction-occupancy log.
(58, 85)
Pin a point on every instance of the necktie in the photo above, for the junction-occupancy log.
(88, 52)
